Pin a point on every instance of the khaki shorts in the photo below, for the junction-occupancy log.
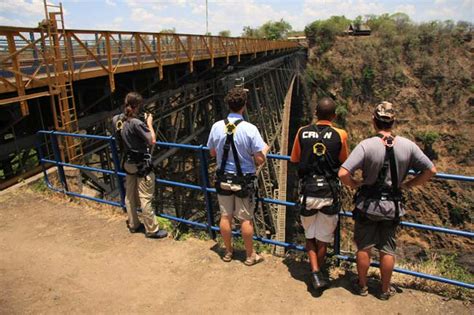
(240, 208)
(320, 226)
(378, 234)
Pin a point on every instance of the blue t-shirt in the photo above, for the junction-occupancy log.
(247, 139)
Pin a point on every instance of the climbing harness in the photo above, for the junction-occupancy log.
(321, 181)
(133, 162)
(242, 185)
(381, 200)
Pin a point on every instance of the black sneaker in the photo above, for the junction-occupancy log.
(140, 228)
(159, 234)
(318, 280)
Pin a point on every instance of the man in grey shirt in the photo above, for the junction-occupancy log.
(379, 204)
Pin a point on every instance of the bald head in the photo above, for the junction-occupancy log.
(326, 109)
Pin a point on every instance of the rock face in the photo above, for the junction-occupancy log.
(429, 80)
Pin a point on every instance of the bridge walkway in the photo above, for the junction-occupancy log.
(23, 64)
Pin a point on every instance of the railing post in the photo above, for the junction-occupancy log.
(57, 158)
(207, 195)
(337, 239)
(115, 157)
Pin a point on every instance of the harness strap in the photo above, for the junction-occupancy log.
(394, 177)
(229, 144)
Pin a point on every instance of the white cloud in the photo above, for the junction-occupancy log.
(141, 15)
(111, 3)
(409, 9)
(115, 25)
(21, 7)
(323, 9)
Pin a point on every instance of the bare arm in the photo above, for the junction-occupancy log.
(213, 152)
(261, 156)
(347, 179)
(149, 123)
(420, 179)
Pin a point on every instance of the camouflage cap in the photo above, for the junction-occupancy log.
(384, 112)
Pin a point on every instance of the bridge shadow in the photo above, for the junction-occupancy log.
(345, 278)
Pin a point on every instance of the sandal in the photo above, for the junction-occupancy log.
(253, 260)
(227, 257)
(384, 296)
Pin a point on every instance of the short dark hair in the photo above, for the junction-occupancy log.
(383, 125)
(236, 99)
(326, 109)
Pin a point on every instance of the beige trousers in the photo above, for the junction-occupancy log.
(139, 192)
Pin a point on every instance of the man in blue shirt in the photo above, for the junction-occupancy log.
(251, 152)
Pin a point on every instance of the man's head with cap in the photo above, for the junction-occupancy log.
(384, 116)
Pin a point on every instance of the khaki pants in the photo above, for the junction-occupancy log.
(139, 192)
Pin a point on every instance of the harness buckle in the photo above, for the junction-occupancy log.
(119, 124)
(230, 128)
(319, 149)
(388, 141)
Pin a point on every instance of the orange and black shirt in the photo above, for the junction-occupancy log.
(334, 139)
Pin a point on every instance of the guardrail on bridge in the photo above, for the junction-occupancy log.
(207, 190)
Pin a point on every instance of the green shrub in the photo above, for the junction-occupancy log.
(456, 216)
(428, 138)
(341, 111)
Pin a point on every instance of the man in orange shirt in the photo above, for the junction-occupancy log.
(319, 149)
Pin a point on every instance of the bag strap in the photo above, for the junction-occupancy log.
(229, 144)
(392, 163)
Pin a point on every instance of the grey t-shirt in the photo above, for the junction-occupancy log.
(370, 153)
(135, 134)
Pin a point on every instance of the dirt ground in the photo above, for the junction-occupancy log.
(60, 257)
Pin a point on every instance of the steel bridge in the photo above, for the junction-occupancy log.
(74, 81)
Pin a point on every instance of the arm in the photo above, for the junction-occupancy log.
(149, 123)
(261, 156)
(296, 151)
(213, 152)
(420, 179)
(347, 179)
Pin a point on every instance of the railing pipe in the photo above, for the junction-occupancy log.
(207, 195)
(57, 157)
(416, 274)
(117, 169)
(206, 189)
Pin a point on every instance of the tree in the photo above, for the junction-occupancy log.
(251, 32)
(275, 30)
(224, 33)
(168, 30)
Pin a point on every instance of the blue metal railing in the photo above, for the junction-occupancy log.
(206, 189)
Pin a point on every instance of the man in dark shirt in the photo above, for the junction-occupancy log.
(319, 149)
(136, 138)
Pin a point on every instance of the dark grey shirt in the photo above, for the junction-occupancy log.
(370, 153)
(135, 134)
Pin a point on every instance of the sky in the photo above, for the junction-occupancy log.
(189, 16)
